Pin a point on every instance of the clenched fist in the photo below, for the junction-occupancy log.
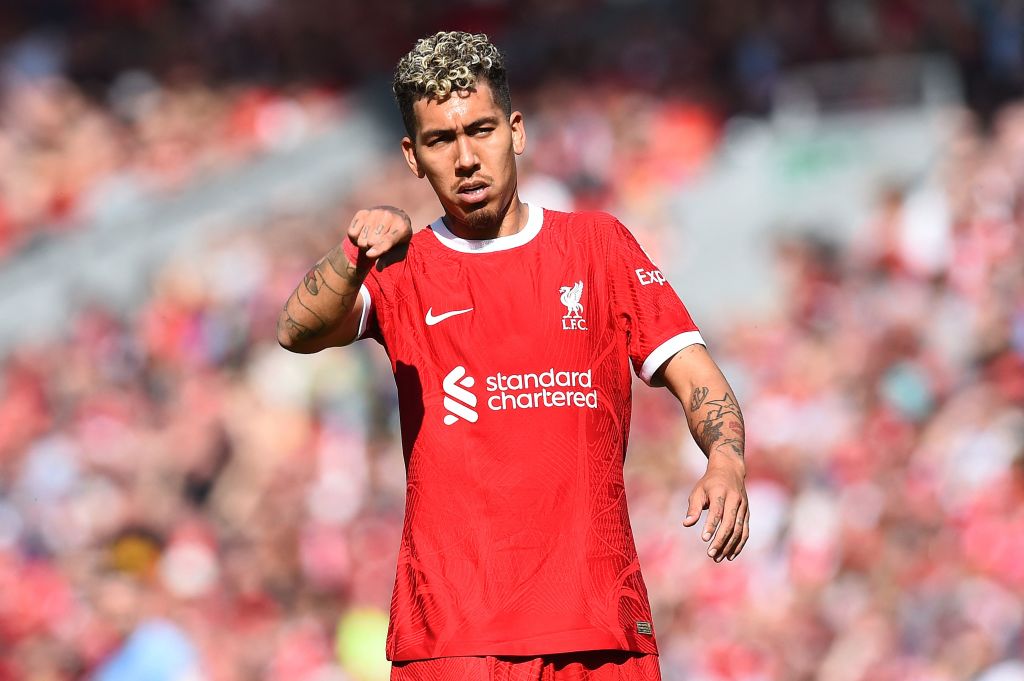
(378, 235)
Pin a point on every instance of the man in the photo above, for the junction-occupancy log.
(510, 331)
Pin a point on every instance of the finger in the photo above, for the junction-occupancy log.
(715, 511)
(743, 540)
(355, 226)
(363, 240)
(698, 501)
(726, 528)
(382, 240)
(729, 549)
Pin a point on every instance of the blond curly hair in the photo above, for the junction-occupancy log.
(447, 62)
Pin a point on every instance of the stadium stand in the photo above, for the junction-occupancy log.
(180, 499)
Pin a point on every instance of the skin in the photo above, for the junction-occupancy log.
(716, 423)
(324, 309)
(464, 141)
(468, 139)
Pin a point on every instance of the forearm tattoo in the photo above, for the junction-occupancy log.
(338, 261)
(698, 397)
(313, 284)
(721, 426)
(297, 329)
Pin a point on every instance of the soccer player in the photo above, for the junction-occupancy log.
(511, 330)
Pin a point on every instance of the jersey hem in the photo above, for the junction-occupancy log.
(553, 644)
(664, 352)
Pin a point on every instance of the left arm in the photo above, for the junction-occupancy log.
(716, 423)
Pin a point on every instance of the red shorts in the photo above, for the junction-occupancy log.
(596, 665)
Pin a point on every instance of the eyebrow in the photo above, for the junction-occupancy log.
(438, 132)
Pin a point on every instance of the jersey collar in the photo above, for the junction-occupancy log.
(502, 243)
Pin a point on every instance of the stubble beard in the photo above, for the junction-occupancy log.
(483, 218)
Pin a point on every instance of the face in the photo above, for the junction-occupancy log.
(466, 147)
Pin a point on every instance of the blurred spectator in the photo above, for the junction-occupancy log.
(177, 483)
(104, 101)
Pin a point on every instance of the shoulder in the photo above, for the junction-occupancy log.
(587, 224)
(594, 227)
(585, 218)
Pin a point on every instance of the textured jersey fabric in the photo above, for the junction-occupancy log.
(586, 666)
(512, 360)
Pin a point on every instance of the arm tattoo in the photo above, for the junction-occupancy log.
(698, 397)
(736, 445)
(708, 431)
(721, 414)
(296, 329)
(311, 311)
(338, 261)
(310, 282)
(314, 281)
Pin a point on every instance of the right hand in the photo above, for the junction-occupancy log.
(381, 233)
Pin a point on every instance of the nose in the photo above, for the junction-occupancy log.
(465, 160)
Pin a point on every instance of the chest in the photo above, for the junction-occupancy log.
(531, 303)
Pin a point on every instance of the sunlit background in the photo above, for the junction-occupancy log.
(833, 187)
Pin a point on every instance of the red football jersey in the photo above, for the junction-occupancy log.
(512, 359)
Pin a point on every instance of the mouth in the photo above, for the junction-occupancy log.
(473, 192)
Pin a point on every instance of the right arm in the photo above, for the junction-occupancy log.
(324, 309)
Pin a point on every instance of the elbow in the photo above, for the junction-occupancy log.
(286, 338)
(299, 341)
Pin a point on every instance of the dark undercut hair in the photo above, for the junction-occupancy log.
(448, 62)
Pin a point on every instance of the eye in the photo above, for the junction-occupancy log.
(480, 132)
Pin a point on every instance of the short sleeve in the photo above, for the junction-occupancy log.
(374, 305)
(657, 323)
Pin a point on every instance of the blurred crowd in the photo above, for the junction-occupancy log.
(102, 101)
(182, 500)
(885, 413)
(66, 160)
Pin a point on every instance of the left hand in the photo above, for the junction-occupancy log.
(721, 490)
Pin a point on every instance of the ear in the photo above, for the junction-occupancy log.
(409, 151)
(518, 132)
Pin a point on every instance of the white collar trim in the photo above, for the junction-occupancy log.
(501, 243)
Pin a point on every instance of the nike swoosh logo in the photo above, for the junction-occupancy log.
(431, 319)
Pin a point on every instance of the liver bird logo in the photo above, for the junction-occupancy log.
(570, 297)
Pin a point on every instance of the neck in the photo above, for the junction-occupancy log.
(510, 220)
